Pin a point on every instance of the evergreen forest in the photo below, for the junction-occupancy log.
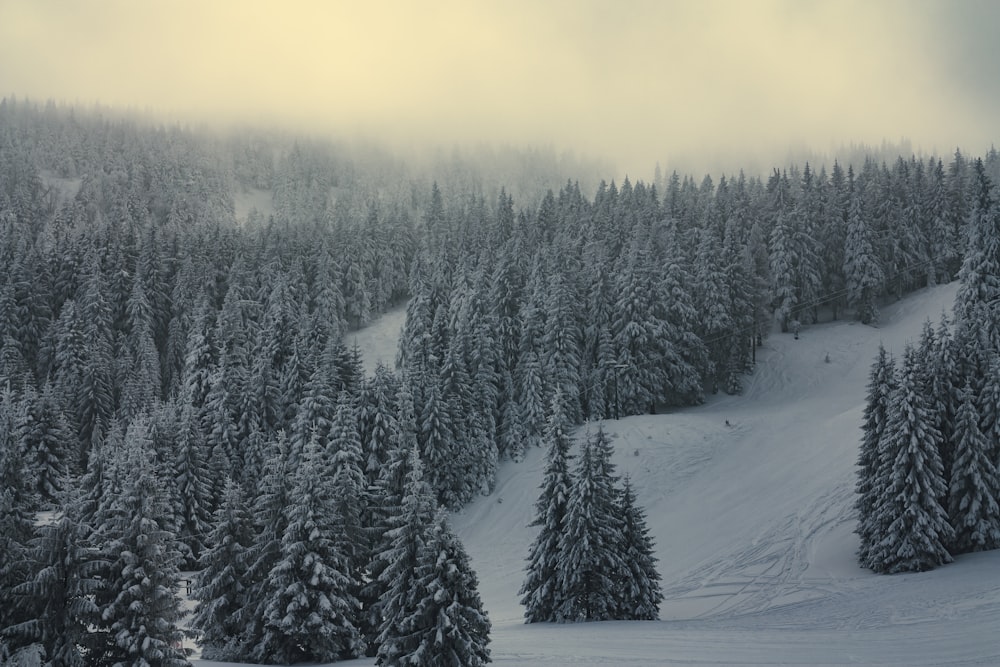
(179, 394)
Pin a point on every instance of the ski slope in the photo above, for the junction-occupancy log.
(749, 499)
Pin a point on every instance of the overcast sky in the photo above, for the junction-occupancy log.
(635, 81)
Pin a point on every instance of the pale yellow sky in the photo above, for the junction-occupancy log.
(637, 81)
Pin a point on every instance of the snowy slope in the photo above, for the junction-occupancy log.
(753, 524)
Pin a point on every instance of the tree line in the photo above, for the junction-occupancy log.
(929, 465)
(164, 366)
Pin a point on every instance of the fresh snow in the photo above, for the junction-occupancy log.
(750, 501)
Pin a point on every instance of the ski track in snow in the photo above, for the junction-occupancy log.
(753, 521)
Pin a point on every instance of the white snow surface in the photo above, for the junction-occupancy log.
(753, 524)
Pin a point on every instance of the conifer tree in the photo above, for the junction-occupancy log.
(398, 639)
(975, 484)
(861, 265)
(872, 468)
(142, 618)
(193, 488)
(17, 505)
(541, 595)
(272, 492)
(591, 565)
(639, 591)
(61, 589)
(448, 625)
(917, 531)
(220, 587)
(349, 489)
(46, 438)
(310, 612)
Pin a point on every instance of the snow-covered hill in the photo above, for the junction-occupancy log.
(750, 501)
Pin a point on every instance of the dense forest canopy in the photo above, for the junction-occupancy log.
(172, 317)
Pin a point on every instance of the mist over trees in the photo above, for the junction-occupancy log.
(176, 391)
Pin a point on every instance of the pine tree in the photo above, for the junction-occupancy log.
(46, 439)
(17, 505)
(220, 587)
(591, 565)
(271, 495)
(872, 469)
(310, 611)
(398, 639)
(349, 488)
(975, 484)
(143, 616)
(193, 488)
(861, 265)
(448, 625)
(61, 590)
(917, 531)
(540, 592)
(639, 591)
(980, 273)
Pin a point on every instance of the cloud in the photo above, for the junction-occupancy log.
(640, 81)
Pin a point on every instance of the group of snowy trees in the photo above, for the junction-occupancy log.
(303, 577)
(303, 561)
(647, 296)
(593, 557)
(176, 394)
(929, 465)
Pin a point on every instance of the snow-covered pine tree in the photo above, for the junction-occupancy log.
(541, 595)
(193, 495)
(310, 610)
(387, 497)
(917, 531)
(61, 590)
(861, 264)
(437, 442)
(449, 625)
(591, 566)
(784, 296)
(220, 587)
(46, 439)
(639, 593)
(270, 498)
(17, 506)
(349, 488)
(397, 639)
(988, 407)
(975, 484)
(980, 273)
(872, 472)
(943, 373)
(142, 619)
(562, 344)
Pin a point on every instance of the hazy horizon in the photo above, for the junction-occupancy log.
(716, 83)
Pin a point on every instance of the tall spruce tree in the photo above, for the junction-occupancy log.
(61, 589)
(591, 565)
(872, 467)
(398, 638)
(639, 591)
(448, 625)
(917, 531)
(220, 587)
(541, 595)
(975, 484)
(310, 612)
(142, 618)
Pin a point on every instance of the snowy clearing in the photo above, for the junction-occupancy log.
(750, 501)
